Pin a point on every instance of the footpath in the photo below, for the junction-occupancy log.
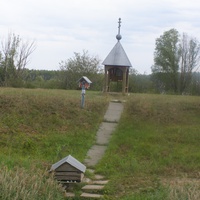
(93, 188)
(111, 118)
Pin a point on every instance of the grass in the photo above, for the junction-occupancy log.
(21, 183)
(157, 137)
(38, 128)
(45, 125)
(153, 154)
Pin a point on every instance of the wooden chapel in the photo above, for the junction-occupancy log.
(117, 66)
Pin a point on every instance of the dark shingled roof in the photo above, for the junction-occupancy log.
(117, 57)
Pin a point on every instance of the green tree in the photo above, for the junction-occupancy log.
(78, 66)
(167, 57)
(175, 60)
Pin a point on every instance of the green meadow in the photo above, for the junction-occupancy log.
(39, 127)
(152, 155)
(45, 125)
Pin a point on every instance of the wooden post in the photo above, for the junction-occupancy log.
(106, 79)
(124, 82)
(127, 79)
(83, 95)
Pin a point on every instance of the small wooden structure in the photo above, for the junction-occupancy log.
(68, 170)
(84, 81)
(117, 65)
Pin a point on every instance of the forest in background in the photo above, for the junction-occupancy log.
(175, 69)
(138, 83)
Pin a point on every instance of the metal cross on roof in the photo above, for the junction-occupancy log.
(119, 25)
(118, 36)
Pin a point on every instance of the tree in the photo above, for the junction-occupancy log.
(175, 59)
(190, 57)
(167, 57)
(78, 66)
(14, 58)
(195, 84)
(140, 83)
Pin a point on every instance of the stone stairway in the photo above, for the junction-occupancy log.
(93, 189)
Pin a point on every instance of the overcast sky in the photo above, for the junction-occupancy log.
(62, 27)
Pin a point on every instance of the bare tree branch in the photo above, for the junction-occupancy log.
(14, 57)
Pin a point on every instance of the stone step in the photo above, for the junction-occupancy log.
(97, 176)
(69, 194)
(86, 180)
(93, 187)
(100, 182)
(94, 155)
(88, 195)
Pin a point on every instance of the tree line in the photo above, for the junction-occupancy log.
(176, 61)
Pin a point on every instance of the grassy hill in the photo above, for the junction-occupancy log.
(47, 124)
(39, 127)
(153, 154)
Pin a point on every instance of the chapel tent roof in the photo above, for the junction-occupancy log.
(117, 57)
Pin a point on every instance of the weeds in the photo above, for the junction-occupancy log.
(28, 184)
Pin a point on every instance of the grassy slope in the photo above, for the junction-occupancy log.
(155, 147)
(154, 153)
(43, 126)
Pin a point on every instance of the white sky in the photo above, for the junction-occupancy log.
(60, 28)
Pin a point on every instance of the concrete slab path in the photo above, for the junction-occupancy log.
(94, 155)
(93, 187)
(89, 195)
(104, 132)
(111, 118)
(113, 112)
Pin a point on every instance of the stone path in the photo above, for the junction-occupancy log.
(111, 118)
(93, 188)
